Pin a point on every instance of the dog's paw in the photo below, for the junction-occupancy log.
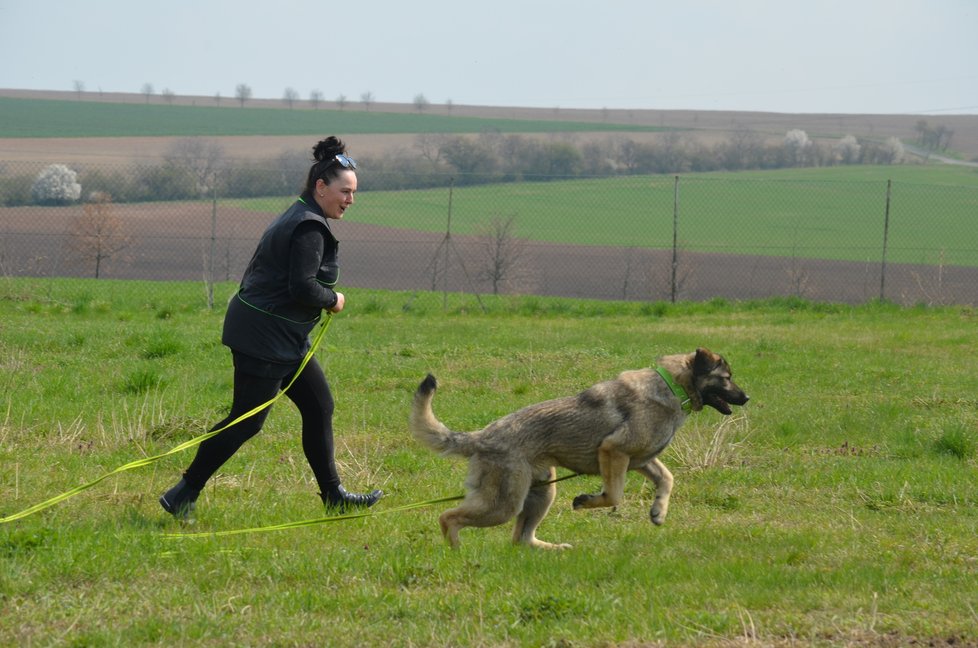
(550, 546)
(658, 511)
(581, 500)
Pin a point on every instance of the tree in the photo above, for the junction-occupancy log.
(98, 235)
(79, 88)
(242, 92)
(147, 91)
(797, 147)
(202, 159)
(420, 102)
(366, 99)
(315, 98)
(290, 96)
(502, 253)
(168, 95)
(341, 101)
(56, 185)
(847, 150)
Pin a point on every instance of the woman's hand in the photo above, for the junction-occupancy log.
(340, 302)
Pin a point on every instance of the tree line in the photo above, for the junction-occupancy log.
(196, 168)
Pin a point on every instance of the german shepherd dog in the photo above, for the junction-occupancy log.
(608, 429)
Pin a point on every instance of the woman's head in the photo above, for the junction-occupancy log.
(332, 181)
(331, 161)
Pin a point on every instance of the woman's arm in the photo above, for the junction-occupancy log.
(305, 257)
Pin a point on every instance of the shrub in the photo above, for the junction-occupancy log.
(56, 185)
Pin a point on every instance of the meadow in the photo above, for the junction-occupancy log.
(47, 118)
(832, 213)
(838, 507)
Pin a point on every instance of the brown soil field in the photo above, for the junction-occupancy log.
(173, 241)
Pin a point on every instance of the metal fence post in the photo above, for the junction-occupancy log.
(675, 238)
(886, 234)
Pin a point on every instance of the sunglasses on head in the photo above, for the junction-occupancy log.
(346, 162)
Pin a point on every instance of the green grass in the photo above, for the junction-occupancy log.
(53, 118)
(839, 505)
(830, 213)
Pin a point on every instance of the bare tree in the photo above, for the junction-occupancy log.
(420, 102)
(98, 236)
(502, 254)
(242, 92)
(203, 159)
(341, 101)
(430, 146)
(366, 99)
(147, 91)
(168, 95)
(315, 98)
(79, 88)
(290, 96)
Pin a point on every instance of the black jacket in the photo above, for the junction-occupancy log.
(274, 310)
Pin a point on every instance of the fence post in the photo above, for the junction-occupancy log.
(886, 234)
(213, 245)
(675, 239)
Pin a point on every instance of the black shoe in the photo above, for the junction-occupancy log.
(180, 501)
(342, 500)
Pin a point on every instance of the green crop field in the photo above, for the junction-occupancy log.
(837, 508)
(52, 118)
(831, 213)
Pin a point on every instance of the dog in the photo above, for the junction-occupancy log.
(608, 429)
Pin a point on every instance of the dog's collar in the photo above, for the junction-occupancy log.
(677, 389)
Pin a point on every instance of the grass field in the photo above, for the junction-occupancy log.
(829, 213)
(838, 507)
(27, 118)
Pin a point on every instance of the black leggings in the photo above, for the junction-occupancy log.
(311, 395)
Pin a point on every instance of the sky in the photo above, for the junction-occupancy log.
(794, 56)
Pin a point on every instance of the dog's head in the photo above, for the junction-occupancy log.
(712, 380)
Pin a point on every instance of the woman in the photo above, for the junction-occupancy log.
(287, 284)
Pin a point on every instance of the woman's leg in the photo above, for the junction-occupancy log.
(249, 392)
(312, 396)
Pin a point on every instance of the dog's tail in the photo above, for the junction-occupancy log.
(429, 430)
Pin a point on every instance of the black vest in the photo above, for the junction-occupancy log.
(262, 320)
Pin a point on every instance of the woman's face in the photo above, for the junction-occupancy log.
(335, 197)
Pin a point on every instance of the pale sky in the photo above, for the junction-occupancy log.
(820, 56)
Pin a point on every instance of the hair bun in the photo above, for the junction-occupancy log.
(328, 148)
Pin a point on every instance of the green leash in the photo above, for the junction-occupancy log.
(180, 448)
(331, 518)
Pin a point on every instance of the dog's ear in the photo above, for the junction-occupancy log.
(705, 361)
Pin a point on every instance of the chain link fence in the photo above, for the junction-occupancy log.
(647, 238)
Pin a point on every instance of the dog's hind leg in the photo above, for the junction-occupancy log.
(538, 501)
(495, 496)
(613, 464)
(656, 472)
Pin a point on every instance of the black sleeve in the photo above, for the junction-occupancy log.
(305, 256)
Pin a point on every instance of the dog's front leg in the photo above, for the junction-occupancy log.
(613, 464)
(656, 472)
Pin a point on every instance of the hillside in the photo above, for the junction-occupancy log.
(705, 126)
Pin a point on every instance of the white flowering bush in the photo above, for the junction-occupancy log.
(847, 150)
(56, 184)
(797, 147)
(893, 148)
